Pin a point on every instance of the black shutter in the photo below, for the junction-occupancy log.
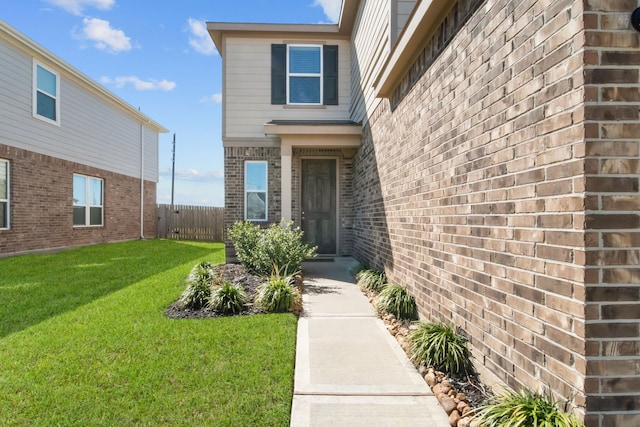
(279, 74)
(330, 74)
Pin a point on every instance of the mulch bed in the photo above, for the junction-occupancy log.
(239, 276)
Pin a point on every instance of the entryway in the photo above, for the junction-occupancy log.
(319, 204)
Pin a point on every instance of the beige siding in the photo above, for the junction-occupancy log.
(91, 131)
(247, 87)
(369, 51)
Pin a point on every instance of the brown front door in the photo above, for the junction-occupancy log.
(319, 203)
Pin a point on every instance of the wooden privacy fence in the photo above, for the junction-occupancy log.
(180, 222)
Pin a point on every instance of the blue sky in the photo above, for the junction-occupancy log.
(157, 56)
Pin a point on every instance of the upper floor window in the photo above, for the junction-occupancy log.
(46, 89)
(4, 194)
(87, 201)
(255, 191)
(304, 74)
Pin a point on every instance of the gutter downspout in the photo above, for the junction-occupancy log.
(141, 181)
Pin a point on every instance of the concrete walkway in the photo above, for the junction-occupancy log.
(349, 370)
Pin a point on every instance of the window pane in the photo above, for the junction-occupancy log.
(256, 205)
(3, 214)
(79, 191)
(304, 90)
(46, 81)
(304, 59)
(3, 180)
(95, 192)
(256, 178)
(95, 216)
(79, 215)
(46, 106)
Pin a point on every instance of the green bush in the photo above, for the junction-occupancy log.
(525, 408)
(279, 244)
(371, 280)
(198, 290)
(227, 299)
(440, 346)
(277, 295)
(397, 300)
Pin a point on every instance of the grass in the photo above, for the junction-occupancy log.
(84, 341)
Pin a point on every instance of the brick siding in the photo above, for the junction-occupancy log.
(612, 285)
(41, 193)
(473, 192)
(234, 160)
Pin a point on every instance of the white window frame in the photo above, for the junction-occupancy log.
(88, 205)
(265, 191)
(319, 75)
(8, 199)
(56, 122)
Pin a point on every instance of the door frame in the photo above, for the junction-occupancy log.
(299, 195)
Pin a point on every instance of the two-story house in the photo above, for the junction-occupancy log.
(78, 165)
(485, 153)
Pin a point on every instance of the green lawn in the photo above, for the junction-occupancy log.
(84, 341)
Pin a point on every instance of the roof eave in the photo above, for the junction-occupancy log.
(23, 42)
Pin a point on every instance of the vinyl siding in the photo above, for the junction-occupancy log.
(247, 87)
(369, 51)
(91, 131)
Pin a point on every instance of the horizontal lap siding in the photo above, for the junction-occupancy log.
(91, 131)
(247, 87)
(473, 192)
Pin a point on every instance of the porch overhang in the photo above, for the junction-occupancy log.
(315, 133)
(308, 133)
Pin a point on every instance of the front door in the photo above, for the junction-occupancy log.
(319, 204)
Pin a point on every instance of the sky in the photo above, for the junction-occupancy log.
(158, 57)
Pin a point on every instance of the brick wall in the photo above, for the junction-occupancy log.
(42, 200)
(471, 191)
(234, 159)
(612, 132)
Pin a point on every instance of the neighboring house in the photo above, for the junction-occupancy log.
(78, 165)
(486, 154)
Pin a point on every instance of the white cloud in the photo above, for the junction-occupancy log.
(139, 84)
(77, 6)
(200, 40)
(216, 98)
(193, 175)
(331, 8)
(104, 36)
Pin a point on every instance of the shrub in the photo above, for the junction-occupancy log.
(227, 299)
(277, 295)
(279, 244)
(198, 290)
(525, 408)
(371, 280)
(397, 300)
(440, 346)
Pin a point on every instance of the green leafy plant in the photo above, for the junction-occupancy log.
(397, 300)
(357, 269)
(198, 290)
(441, 346)
(523, 409)
(227, 299)
(371, 280)
(277, 295)
(280, 244)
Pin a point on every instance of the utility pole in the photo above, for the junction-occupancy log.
(173, 169)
